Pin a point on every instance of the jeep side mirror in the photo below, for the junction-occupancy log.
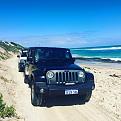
(18, 56)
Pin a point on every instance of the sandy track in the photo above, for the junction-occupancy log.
(69, 109)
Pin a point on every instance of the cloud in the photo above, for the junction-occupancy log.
(58, 40)
(69, 40)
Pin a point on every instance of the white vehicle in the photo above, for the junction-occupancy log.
(22, 60)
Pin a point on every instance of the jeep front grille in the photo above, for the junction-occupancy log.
(62, 77)
(66, 77)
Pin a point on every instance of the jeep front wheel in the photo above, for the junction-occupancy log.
(36, 100)
(88, 96)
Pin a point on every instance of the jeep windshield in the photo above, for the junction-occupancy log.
(52, 54)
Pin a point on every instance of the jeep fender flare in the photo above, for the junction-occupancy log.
(89, 76)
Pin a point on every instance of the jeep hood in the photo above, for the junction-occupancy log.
(64, 67)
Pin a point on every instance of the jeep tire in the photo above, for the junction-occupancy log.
(36, 100)
(86, 97)
(19, 70)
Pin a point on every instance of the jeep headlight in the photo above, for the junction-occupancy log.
(81, 74)
(50, 74)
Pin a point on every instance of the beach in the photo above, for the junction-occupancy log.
(107, 93)
(104, 105)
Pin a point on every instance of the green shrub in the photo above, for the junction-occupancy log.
(6, 111)
(2, 104)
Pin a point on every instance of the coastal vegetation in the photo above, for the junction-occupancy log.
(6, 111)
(7, 48)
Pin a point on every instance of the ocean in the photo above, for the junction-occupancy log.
(110, 54)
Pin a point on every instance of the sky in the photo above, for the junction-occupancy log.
(61, 23)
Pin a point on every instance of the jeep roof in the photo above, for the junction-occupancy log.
(48, 48)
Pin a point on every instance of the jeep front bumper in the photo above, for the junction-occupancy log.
(60, 90)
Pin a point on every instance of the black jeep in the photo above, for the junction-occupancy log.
(52, 72)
